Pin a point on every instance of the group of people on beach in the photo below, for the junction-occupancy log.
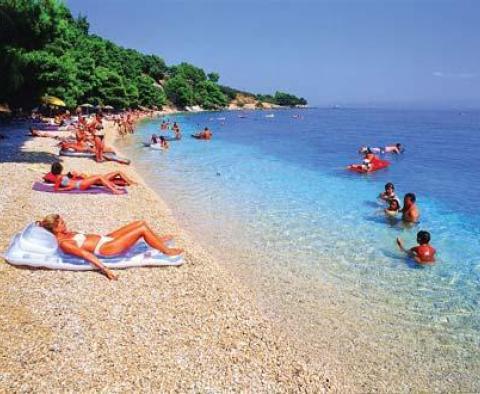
(89, 136)
(424, 253)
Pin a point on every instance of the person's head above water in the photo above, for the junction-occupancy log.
(162, 138)
(389, 186)
(393, 205)
(398, 145)
(410, 198)
(57, 168)
(423, 237)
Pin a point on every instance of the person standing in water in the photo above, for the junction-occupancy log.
(410, 211)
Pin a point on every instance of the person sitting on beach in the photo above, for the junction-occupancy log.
(116, 177)
(89, 246)
(393, 207)
(424, 253)
(410, 212)
(389, 192)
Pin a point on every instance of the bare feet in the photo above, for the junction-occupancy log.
(173, 252)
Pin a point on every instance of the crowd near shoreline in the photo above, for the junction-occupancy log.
(187, 328)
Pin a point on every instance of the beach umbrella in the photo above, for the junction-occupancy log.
(52, 100)
(108, 107)
(86, 105)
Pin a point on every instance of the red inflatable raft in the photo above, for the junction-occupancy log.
(377, 164)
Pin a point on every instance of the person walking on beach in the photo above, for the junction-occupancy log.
(410, 211)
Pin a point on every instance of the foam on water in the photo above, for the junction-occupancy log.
(271, 197)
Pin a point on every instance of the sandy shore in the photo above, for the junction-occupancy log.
(190, 328)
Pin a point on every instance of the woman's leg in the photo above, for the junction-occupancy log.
(98, 149)
(119, 175)
(134, 225)
(98, 180)
(129, 235)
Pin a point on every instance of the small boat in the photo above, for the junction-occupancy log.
(270, 116)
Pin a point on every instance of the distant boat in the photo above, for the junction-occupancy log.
(270, 116)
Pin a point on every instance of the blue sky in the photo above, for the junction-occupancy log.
(358, 52)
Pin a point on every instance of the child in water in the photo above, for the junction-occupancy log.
(393, 207)
(389, 192)
(424, 253)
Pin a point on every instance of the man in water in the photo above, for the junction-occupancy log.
(410, 212)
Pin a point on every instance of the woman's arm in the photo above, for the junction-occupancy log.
(70, 247)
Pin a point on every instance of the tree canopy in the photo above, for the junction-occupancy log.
(44, 50)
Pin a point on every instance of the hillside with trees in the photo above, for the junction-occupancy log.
(44, 50)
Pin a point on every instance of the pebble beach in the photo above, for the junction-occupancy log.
(191, 328)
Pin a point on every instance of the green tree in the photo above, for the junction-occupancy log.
(179, 91)
(149, 93)
(214, 77)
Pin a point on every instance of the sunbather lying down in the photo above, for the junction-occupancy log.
(89, 246)
(73, 180)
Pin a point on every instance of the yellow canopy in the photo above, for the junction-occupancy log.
(52, 100)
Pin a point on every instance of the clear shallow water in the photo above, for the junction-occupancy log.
(271, 197)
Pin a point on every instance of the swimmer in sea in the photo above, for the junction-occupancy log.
(365, 149)
(154, 139)
(393, 207)
(163, 142)
(410, 212)
(389, 192)
(424, 253)
(397, 149)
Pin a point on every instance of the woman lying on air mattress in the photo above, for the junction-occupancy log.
(89, 246)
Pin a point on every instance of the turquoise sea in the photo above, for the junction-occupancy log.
(270, 197)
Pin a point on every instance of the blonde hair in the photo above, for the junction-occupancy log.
(49, 222)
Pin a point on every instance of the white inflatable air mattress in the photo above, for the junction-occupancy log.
(36, 247)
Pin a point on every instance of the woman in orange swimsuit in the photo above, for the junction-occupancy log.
(89, 246)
